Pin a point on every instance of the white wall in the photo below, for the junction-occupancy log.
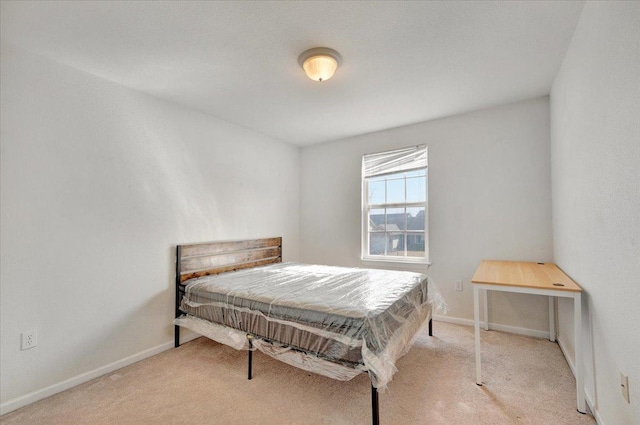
(99, 183)
(489, 198)
(595, 138)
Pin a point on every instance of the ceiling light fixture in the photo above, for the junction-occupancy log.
(320, 63)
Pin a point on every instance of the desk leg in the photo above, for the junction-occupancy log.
(476, 322)
(486, 309)
(552, 319)
(577, 329)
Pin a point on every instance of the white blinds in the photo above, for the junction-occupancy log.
(395, 161)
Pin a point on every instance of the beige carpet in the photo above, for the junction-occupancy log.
(527, 381)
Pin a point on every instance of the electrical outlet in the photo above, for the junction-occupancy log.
(29, 339)
(624, 386)
(458, 285)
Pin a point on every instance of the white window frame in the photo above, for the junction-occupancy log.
(366, 207)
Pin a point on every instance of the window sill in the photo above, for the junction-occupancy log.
(397, 264)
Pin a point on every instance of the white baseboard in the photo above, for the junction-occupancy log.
(40, 394)
(495, 326)
(596, 414)
(569, 360)
(588, 397)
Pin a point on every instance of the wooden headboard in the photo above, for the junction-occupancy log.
(202, 259)
(208, 258)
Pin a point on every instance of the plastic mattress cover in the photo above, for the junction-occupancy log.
(375, 311)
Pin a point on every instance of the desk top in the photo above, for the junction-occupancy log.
(524, 274)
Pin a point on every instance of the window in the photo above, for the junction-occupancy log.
(394, 207)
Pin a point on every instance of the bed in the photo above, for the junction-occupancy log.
(334, 321)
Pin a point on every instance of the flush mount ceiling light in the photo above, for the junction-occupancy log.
(320, 63)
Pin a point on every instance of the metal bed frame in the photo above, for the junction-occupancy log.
(196, 260)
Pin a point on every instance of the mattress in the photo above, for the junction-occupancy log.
(358, 318)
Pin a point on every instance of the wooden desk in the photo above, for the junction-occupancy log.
(530, 278)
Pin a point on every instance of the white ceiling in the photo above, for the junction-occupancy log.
(404, 62)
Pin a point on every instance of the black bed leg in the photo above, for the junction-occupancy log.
(250, 356)
(430, 327)
(375, 413)
(179, 292)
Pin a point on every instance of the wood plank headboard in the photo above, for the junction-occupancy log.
(202, 259)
